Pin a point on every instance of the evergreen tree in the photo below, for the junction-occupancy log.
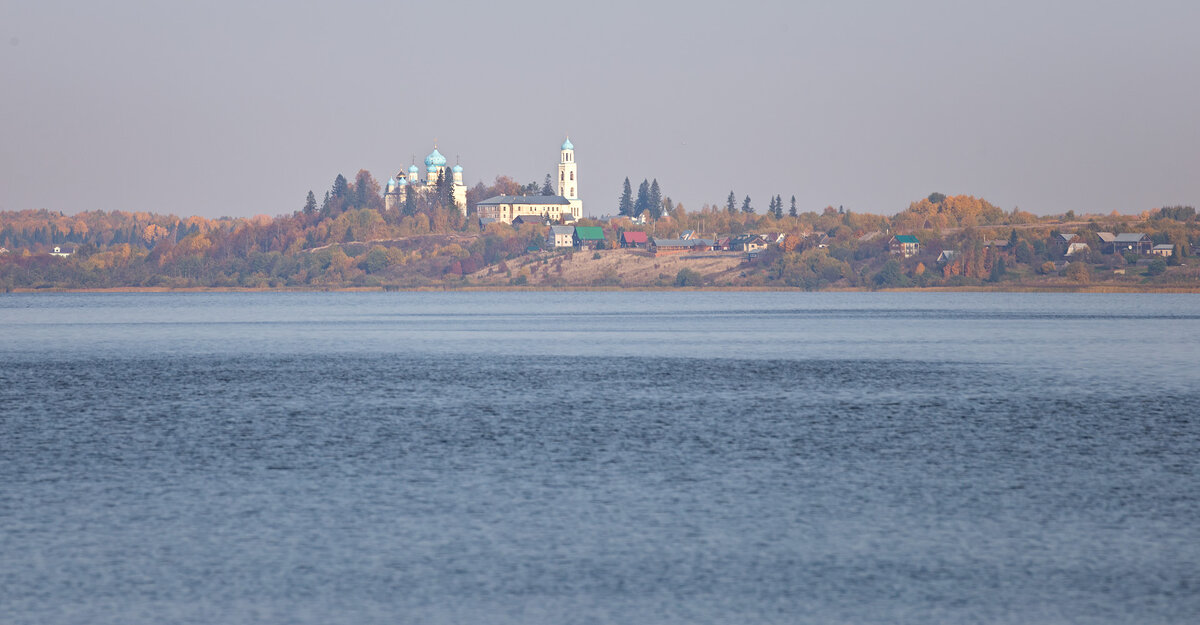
(746, 207)
(778, 207)
(792, 210)
(548, 185)
(642, 203)
(998, 270)
(310, 204)
(625, 207)
(410, 202)
(668, 206)
(445, 189)
(655, 200)
(731, 204)
(340, 187)
(327, 205)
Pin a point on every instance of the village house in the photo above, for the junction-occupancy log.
(946, 256)
(1136, 242)
(748, 243)
(634, 240)
(1165, 250)
(589, 237)
(905, 244)
(1059, 243)
(62, 251)
(521, 220)
(562, 236)
(666, 247)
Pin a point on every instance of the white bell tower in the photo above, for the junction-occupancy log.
(568, 178)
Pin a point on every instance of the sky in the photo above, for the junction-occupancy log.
(240, 108)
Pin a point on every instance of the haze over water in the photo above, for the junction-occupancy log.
(599, 458)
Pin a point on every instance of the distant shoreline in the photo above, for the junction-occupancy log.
(1165, 289)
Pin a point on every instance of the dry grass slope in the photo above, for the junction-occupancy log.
(620, 267)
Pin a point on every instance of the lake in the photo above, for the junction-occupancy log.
(599, 457)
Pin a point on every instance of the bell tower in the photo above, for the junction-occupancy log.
(568, 178)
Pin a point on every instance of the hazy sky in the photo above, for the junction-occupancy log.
(239, 108)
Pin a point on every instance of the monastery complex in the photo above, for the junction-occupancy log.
(503, 208)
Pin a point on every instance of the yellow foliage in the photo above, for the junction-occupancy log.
(154, 232)
(454, 250)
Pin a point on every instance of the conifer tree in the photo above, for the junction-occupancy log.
(731, 204)
(642, 203)
(410, 201)
(655, 200)
(310, 203)
(626, 203)
(548, 185)
(746, 206)
(340, 187)
(778, 206)
(792, 210)
(326, 205)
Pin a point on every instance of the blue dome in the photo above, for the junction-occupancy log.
(431, 168)
(435, 159)
(567, 144)
(391, 182)
(413, 169)
(457, 169)
(401, 182)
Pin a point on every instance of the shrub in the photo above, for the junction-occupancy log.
(891, 276)
(1079, 272)
(688, 277)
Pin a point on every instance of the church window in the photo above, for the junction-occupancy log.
(572, 190)
(560, 175)
(572, 175)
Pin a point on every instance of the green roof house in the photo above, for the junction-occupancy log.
(589, 236)
(905, 244)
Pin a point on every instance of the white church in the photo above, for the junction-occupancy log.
(400, 185)
(506, 208)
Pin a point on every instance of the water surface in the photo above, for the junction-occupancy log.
(599, 458)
